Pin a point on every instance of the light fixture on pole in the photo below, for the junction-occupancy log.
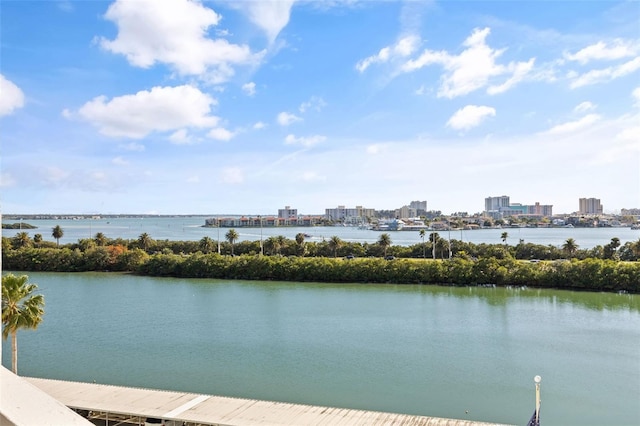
(261, 246)
(449, 226)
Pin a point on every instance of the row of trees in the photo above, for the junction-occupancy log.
(432, 246)
(588, 274)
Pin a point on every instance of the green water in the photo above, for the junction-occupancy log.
(435, 351)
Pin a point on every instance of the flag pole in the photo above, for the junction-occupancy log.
(537, 381)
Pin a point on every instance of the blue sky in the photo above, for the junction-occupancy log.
(213, 107)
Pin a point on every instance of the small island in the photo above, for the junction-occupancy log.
(19, 225)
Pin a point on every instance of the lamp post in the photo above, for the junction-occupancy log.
(449, 226)
(261, 246)
(218, 220)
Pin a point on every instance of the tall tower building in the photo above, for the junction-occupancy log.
(590, 206)
(495, 203)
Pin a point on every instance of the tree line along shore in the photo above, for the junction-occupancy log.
(613, 267)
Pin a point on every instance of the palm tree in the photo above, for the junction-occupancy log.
(20, 309)
(144, 240)
(423, 232)
(384, 241)
(22, 240)
(300, 242)
(443, 246)
(635, 246)
(206, 244)
(504, 237)
(100, 239)
(281, 242)
(231, 236)
(57, 233)
(37, 239)
(570, 247)
(434, 237)
(335, 243)
(610, 250)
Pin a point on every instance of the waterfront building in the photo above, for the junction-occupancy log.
(420, 206)
(406, 212)
(545, 210)
(261, 221)
(499, 207)
(288, 215)
(355, 215)
(630, 212)
(590, 206)
(496, 203)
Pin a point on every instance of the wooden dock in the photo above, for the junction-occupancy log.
(137, 404)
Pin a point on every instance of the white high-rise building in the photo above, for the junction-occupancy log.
(496, 203)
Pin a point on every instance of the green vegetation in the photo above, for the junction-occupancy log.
(21, 308)
(18, 225)
(613, 267)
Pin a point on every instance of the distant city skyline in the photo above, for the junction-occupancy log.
(586, 206)
(189, 107)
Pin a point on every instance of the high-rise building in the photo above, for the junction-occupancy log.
(418, 205)
(590, 206)
(287, 213)
(349, 214)
(406, 212)
(496, 203)
(540, 209)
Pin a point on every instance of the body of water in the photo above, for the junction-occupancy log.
(191, 229)
(468, 353)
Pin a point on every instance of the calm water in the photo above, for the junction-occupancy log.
(190, 229)
(426, 350)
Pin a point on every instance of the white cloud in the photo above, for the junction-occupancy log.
(304, 141)
(574, 126)
(374, 149)
(132, 146)
(160, 109)
(316, 103)
(630, 134)
(12, 97)
(605, 74)
(518, 72)
(601, 51)
(285, 118)
(470, 116)
(473, 68)
(269, 15)
(584, 107)
(403, 48)
(180, 137)
(6, 180)
(193, 179)
(232, 175)
(249, 88)
(259, 125)
(220, 134)
(636, 96)
(174, 33)
(313, 177)
(119, 161)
